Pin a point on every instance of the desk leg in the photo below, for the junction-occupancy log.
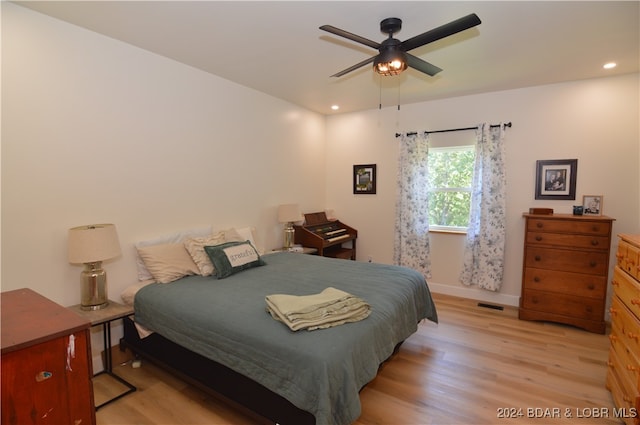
(108, 365)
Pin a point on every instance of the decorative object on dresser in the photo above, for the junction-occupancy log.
(556, 179)
(327, 236)
(623, 375)
(289, 214)
(565, 269)
(91, 245)
(46, 362)
(592, 204)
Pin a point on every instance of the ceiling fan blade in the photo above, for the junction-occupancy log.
(354, 67)
(350, 36)
(422, 66)
(443, 31)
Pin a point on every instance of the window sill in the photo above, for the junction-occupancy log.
(451, 232)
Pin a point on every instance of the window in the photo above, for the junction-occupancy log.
(450, 178)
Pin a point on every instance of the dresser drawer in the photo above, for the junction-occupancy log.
(627, 325)
(568, 240)
(628, 258)
(622, 390)
(598, 228)
(568, 261)
(583, 285)
(626, 364)
(563, 304)
(627, 289)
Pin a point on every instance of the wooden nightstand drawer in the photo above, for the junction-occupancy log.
(580, 284)
(569, 226)
(591, 262)
(627, 326)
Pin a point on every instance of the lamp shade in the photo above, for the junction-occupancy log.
(288, 213)
(94, 242)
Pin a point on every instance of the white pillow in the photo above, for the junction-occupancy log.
(168, 262)
(249, 234)
(195, 247)
(143, 272)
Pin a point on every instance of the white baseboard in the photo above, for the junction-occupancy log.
(475, 294)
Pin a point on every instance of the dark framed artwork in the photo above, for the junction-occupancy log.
(556, 179)
(364, 179)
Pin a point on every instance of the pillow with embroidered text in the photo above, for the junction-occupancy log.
(233, 257)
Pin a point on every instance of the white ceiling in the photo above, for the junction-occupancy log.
(277, 48)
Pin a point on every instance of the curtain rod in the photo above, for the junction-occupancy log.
(453, 129)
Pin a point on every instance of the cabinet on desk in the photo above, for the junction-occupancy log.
(46, 362)
(565, 270)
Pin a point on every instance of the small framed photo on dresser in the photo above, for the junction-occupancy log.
(592, 204)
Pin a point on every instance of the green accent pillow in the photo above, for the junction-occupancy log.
(233, 257)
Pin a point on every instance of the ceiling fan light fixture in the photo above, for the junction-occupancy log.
(390, 63)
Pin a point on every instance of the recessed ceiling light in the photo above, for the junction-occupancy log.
(609, 65)
(335, 107)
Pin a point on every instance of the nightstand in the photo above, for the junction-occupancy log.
(305, 250)
(114, 311)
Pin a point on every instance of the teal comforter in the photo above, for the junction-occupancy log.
(319, 371)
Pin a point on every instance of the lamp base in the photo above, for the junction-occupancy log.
(93, 287)
(289, 235)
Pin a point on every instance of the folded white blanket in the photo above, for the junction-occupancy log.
(330, 307)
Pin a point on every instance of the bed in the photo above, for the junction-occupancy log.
(218, 333)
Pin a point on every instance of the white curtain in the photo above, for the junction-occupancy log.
(411, 243)
(483, 262)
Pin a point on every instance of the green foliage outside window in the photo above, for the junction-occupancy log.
(450, 177)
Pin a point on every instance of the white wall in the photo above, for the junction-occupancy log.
(595, 121)
(94, 130)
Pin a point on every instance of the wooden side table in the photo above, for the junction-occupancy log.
(114, 311)
(305, 250)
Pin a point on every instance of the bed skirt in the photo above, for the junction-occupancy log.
(212, 376)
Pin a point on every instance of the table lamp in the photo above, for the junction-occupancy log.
(288, 214)
(90, 245)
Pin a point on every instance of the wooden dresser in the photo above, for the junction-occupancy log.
(46, 362)
(565, 269)
(623, 377)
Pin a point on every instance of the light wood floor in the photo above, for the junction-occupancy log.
(476, 365)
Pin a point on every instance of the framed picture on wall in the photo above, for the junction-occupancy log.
(556, 179)
(592, 204)
(364, 179)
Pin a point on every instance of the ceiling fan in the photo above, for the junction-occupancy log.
(393, 56)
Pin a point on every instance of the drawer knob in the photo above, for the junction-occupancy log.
(635, 301)
(537, 258)
(536, 279)
(613, 311)
(594, 242)
(615, 282)
(43, 376)
(539, 225)
(538, 238)
(631, 335)
(610, 364)
(591, 287)
(613, 338)
(593, 263)
(588, 309)
(595, 228)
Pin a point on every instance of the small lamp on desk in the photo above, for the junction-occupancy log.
(288, 214)
(91, 245)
